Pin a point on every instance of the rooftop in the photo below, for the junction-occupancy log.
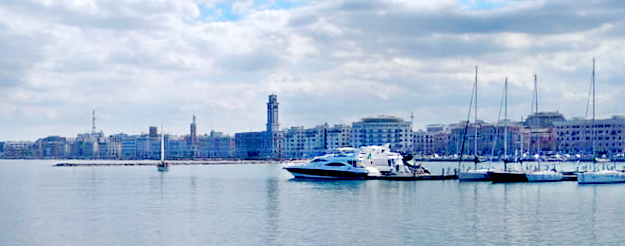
(382, 118)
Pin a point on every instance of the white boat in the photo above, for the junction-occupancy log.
(162, 166)
(348, 164)
(359, 163)
(595, 176)
(474, 175)
(544, 176)
(601, 177)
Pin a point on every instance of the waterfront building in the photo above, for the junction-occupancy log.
(543, 120)
(110, 150)
(339, 136)
(18, 149)
(575, 136)
(148, 147)
(253, 145)
(315, 141)
(53, 147)
(176, 147)
(262, 145)
(383, 130)
(299, 142)
(216, 145)
(293, 142)
(129, 147)
(84, 146)
(491, 140)
(433, 141)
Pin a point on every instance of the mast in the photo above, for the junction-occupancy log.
(475, 148)
(592, 134)
(505, 122)
(539, 146)
(162, 144)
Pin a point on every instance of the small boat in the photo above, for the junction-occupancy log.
(348, 164)
(511, 176)
(162, 166)
(544, 176)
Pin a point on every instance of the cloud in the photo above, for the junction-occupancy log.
(153, 62)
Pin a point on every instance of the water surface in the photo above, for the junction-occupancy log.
(262, 205)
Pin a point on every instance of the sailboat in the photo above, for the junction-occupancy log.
(162, 166)
(539, 175)
(507, 175)
(598, 176)
(474, 174)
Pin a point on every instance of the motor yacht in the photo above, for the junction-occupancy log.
(347, 164)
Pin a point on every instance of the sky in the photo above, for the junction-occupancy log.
(141, 63)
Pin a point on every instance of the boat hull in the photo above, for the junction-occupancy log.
(508, 177)
(310, 173)
(601, 177)
(474, 175)
(162, 168)
(542, 176)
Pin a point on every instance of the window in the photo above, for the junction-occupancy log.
(334, 164)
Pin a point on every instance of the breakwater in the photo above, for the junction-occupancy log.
(173, 163)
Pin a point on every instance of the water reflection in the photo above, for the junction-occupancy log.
(273, 211)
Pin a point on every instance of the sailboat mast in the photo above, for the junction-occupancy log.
(162, 144)
(505, 122)
(592, 135)
(475, 150)
(538, 146)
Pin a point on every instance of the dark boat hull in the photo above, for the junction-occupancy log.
(508, 177)
(325, 174)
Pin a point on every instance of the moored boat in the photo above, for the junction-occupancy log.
(544, 176)
(601, 177)
(347, 164)
(508, 176)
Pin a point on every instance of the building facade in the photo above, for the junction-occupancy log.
(578, 136)
(383, 130)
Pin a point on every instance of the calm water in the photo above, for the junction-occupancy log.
(262, 205)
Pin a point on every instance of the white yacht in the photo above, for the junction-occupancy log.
(375, 162)
(347, 164)
(391, 165)
(601, 177)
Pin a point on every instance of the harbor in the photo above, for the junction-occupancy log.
(248, 204)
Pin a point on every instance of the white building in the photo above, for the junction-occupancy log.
(382, 130)
(575, 136)
(339, 136)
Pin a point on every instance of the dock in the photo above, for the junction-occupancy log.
(415, 177)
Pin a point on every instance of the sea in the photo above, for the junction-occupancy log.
(261, 204)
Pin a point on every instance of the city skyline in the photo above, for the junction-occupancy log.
(158, 63)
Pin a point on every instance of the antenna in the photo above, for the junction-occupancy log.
(93, 122)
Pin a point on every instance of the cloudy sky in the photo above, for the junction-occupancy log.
(157, 62)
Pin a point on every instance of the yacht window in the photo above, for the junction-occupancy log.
(335, 164)
(318, 160)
